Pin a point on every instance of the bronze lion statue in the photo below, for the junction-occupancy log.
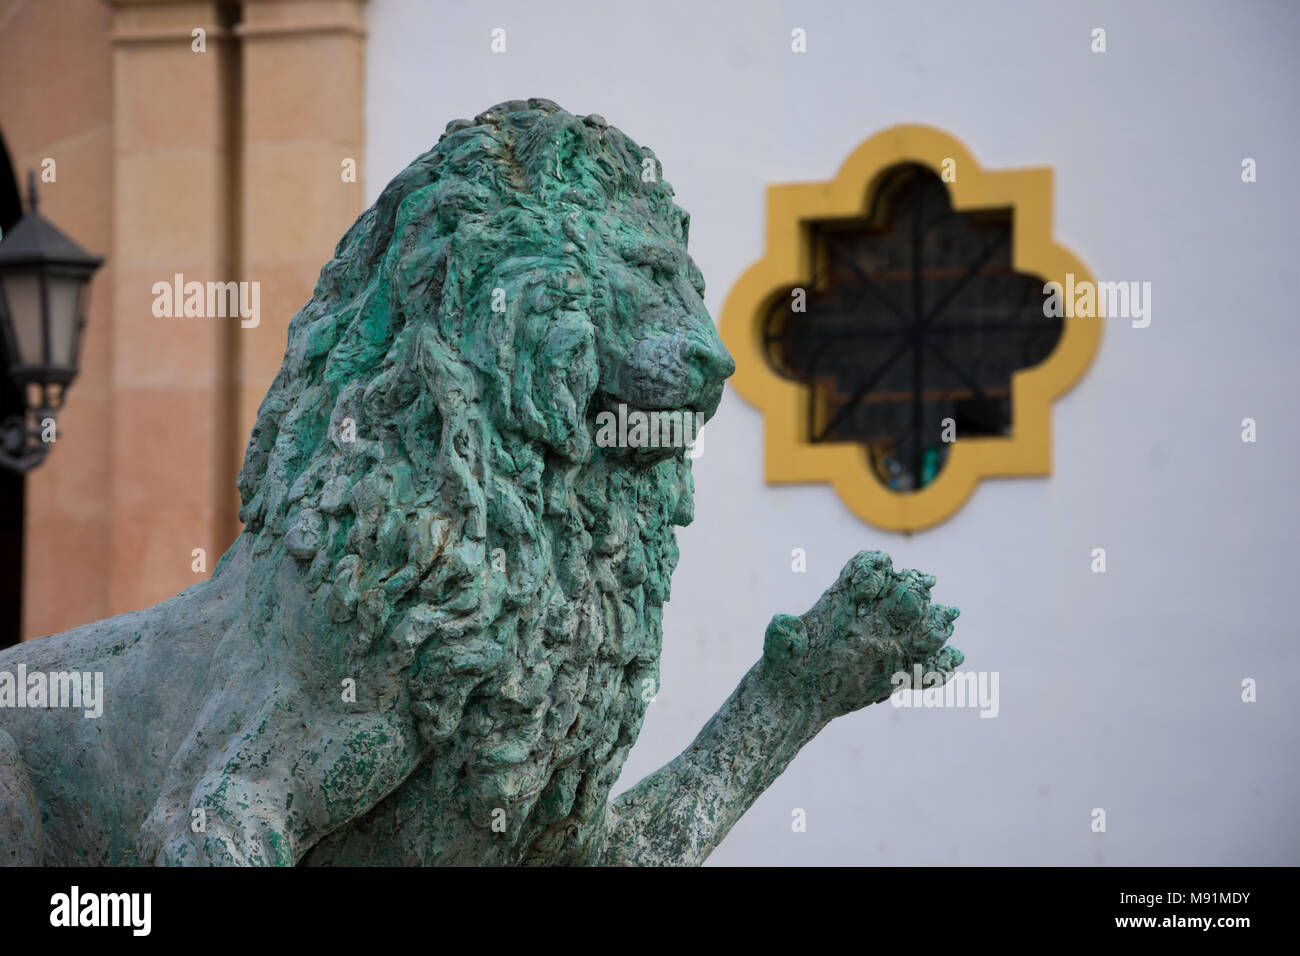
(437, 635)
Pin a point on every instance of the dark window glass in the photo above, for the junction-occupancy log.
(913, 315)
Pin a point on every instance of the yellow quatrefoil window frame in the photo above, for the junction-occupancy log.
(789, 457)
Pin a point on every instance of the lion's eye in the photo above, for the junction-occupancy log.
(697, 279)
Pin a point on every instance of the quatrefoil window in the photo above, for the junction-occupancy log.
(921, 320)
(910, 328)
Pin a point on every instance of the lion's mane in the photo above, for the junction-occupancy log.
(428, 463)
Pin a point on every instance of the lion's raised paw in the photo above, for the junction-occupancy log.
(871, 624)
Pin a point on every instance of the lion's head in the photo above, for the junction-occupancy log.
(426, 453)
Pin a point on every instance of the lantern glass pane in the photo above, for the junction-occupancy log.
(22, 292)
(65, 312)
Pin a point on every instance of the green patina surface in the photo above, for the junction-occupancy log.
(436, 638)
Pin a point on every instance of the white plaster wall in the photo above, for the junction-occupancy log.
(1119, 691)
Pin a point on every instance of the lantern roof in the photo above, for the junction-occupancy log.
(34, 240)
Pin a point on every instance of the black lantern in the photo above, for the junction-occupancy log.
(43, 280)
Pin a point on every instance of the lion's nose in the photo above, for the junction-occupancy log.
(710, 360)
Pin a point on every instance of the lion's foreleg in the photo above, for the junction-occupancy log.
(872, 625)
(278, 788)
(20, 815)
(679, 814)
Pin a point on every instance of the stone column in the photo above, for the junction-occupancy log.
(303, 118)
(226, 164)
(175, 132)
